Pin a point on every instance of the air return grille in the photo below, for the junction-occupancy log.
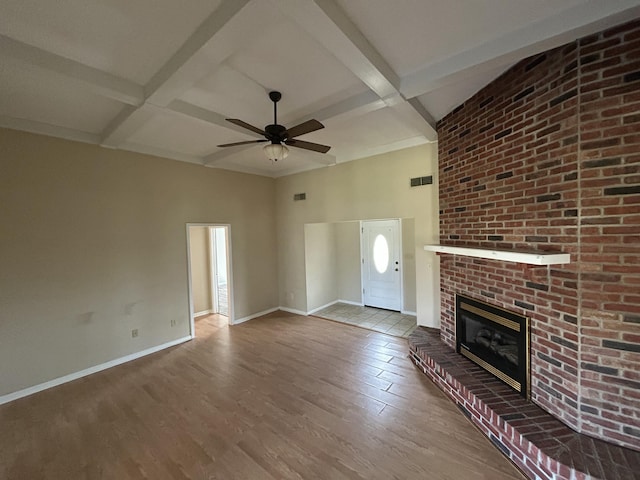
(417, 181)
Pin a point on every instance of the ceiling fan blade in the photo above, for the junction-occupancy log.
(316, 147)
(305, 127)
(242, 124)
(247, 142)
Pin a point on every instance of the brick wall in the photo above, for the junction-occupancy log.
(547, 158)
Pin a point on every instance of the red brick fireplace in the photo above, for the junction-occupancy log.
(547, 158)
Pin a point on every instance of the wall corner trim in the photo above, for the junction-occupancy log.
(350, 302)
(255, 315)
(292, 310)
(311, 312)
(10, 397)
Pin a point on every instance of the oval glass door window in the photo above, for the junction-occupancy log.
(381, 253)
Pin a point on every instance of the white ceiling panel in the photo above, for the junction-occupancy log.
(128, 38)
(443, 100)
(411, 34)
(30, 93)
(233, 94)
(287, 59)
(356, 138)
(176, 133)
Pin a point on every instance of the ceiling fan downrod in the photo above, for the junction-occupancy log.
(275, 98)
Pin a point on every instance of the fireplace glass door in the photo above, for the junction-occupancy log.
(495, 339)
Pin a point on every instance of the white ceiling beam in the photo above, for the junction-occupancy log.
(48, 129)
(300, 169)
(537, 37)
(316, 157)
(325, 21)
(409, 115)
(422, 110)
(125, 124)
(180, 71)
(161, 152)
(198, 113)
(213, 158)
(184, 68)
(270, 171)
(97, 81)
(353, 106)
(390, 147)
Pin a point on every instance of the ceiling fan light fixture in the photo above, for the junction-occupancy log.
(276, 151)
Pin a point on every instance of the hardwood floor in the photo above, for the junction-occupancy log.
(279, 397)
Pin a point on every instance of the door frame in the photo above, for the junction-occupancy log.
(192, 325)
(400, 257)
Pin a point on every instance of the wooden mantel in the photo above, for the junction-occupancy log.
(531, 258)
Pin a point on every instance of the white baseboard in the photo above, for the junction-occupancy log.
(407, 312)
(311, 312)
(204, 312)
(349, 302)
(10, 397)
(254, 315)
(292, 310)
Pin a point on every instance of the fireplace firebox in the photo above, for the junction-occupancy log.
(495, 339)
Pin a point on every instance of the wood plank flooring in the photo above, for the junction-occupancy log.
(280, 397)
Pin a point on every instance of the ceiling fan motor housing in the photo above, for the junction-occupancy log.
(275, 133)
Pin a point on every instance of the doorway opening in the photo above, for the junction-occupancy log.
(209, 274)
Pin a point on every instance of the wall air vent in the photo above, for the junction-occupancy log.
(299, 196)
(417, 181)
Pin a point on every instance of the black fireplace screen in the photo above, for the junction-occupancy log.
(496, 339)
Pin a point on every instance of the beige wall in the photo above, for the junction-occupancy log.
(93, 245)
(348, 270)
(320, 264)
(371, 188)
(409, 264)
(200, 269)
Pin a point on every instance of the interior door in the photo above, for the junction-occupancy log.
(381, 279)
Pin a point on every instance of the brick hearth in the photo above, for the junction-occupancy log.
(539, 444)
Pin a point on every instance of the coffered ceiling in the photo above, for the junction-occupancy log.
(161, 76)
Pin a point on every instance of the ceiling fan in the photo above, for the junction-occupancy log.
(279, 136)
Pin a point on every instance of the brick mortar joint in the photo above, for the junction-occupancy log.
(579, 422)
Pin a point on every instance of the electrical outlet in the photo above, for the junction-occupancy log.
(173, 322)
(134, 333)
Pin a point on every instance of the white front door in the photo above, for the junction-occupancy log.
(381, 279)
